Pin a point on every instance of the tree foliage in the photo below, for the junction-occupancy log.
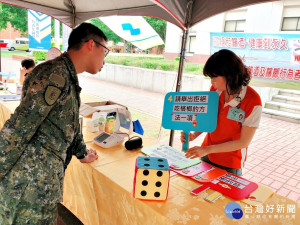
(108, 33)
(15, 15)
(53, 28)
(158, 25)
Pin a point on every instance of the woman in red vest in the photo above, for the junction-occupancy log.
(239, 114)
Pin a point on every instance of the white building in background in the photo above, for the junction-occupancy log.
(282, 17)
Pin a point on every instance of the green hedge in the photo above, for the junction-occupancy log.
(39, 56)
(53, 45)
(156, 63)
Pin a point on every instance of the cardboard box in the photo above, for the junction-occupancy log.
(87, 109)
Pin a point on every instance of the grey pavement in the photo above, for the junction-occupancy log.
(273, 155)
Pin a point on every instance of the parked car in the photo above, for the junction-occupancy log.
(19, 44)
(3, 43)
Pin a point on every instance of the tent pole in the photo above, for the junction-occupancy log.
(73, 9)
(179, 76)
(182, 55)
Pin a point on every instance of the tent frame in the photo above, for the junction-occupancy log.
(185, 34)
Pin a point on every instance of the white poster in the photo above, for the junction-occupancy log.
(66, 31)
(133, 29)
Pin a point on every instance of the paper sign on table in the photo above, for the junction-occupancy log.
(194, 170)
(259, 196)
(176, 159)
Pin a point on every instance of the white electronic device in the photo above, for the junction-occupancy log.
(106, 140)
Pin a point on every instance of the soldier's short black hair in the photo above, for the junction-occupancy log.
(28, 63)
(227, 64)
(82, 33)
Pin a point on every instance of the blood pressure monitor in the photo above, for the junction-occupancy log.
(106, 140)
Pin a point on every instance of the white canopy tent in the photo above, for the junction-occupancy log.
(182, 13)
(74, 12)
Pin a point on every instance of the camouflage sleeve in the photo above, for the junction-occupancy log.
(79, 148)
(25, 86)
(23, 124)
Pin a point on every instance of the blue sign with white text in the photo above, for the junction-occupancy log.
(191, 111)
(39, 30)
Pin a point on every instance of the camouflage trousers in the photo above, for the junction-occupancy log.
(30, 191)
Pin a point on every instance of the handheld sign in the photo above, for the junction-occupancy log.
(53, 53)
(191, 111)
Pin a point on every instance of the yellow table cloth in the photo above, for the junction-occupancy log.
(102, 193)
(6, 109)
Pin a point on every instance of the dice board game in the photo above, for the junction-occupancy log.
(215, 178)
(176, 159)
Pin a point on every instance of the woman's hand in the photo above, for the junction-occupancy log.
(90, 157)
(196, 152)
(192, 136)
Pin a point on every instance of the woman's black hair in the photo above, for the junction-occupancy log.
(227, 64)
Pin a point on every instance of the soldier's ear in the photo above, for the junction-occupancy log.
(90, 44)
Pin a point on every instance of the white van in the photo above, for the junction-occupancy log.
(19, 44)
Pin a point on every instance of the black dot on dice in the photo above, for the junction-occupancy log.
(159, 173)
(144, 193)
(144, 182)
(146, 159)
(156, 194)
(158, 184)
(146, 172)
(146, 164)
(161, 166)
(160, 160)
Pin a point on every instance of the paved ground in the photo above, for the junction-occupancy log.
(273, 156)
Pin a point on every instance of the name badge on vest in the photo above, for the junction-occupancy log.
(236, 114)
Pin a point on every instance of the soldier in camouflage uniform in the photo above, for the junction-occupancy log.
(44, 129)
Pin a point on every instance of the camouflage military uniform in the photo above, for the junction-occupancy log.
(34, 144)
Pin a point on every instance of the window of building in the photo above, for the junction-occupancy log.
(235, 20)
(291, 24)
(191, 44)
(291, 18)
(234, 26)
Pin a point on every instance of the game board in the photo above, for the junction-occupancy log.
(215, 178)
(176, 159)
(233, 186)
(209, 174)
(193, 170)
